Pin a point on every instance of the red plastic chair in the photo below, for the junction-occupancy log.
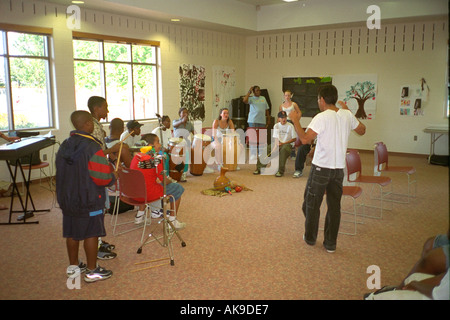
(352, 192)
(128, 188)
(255, 136)
(382, 165)
(354, 175)
(41, 167)
(133, 191)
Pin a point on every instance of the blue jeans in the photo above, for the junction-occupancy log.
(256, 125)
(323, 180)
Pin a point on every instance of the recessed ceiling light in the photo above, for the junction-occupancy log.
(175, 20)
(290, 0)
(77, 2)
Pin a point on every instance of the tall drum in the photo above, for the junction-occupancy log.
(230, 151)
(198, 164)
(176, 157)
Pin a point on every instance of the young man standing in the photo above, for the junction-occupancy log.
(331, 127)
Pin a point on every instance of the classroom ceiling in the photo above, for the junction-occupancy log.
(264, 2)
(253, 16)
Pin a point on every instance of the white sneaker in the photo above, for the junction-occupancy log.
(139, 219)
(177, 224)
(297, 174)
(183, 177)
(157, 213)
(73, 271)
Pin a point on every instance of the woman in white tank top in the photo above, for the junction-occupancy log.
(288, 105)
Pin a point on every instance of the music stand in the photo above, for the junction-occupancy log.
(167, 232)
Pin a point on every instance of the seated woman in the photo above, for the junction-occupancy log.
(222, 125)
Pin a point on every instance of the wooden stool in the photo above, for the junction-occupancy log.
(39, 166)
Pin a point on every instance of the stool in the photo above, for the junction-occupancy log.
(39, 166)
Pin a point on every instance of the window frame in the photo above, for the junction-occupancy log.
(47, 33)
(76, 35)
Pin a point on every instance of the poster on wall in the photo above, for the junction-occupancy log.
(359, 92)
(224, 88)
(192, 90)
(412, 100)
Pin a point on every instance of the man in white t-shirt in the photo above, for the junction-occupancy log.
(331, 127)
(285, 136)
(163, 132)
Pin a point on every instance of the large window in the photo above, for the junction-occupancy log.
(25, 95)
(126, 73)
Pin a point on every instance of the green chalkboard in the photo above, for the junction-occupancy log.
(305, 91)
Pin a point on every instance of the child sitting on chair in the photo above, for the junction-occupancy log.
(285, 136)
(155, 189)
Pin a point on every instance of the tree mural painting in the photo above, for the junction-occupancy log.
(361, 92)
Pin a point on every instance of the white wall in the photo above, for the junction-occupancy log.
(400, 54)
(332, 12)
(266, 65)
(179, 45)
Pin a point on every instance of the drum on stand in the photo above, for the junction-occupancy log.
(198, 164)
(176, 157)
(230, 151)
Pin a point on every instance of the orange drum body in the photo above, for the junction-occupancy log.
(198, 164)
(230, 151)
(176, 158)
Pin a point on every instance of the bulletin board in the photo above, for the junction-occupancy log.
(412, 100)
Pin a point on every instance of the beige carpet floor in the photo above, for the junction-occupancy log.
(242, 246)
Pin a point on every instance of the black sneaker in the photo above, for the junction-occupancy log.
(105, 253)
(106, 244)
(97, 274)
(73, 271)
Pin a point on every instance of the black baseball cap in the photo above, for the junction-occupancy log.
(133, 124)
(282, 114)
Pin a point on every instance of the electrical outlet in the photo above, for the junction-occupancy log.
(44, 157)
(415, 138)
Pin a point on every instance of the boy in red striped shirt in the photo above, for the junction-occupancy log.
(82, 173)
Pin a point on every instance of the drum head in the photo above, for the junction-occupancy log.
(175, 140)
(203, 137)
(231, 135)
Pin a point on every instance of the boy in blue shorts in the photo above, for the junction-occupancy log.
(82, 173)
(154, 188)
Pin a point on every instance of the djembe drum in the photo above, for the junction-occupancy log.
(176, 158)
(230, 151)
(198, 164)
